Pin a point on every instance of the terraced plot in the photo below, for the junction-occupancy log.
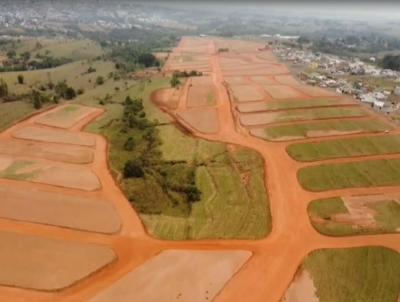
(319, 129)
(360, 146)
(355, 215)
(300, 115)
(368, 274)
(363, 174)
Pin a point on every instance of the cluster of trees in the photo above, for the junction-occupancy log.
(130, 57)
(391, 62)
(176, 180)
(24, 61)
(3, 89)
(175, 82)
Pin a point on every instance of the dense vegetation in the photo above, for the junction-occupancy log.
(391, 62)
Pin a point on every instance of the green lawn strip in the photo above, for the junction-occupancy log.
(12, 172)
(388, 215)
(302, 130)
(367, 274)
(294, 104)
(319, 113)
(360, 146)
(373, 173)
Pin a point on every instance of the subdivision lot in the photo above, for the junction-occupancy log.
(246, 93)
(362, 174)
(69, 211)
(201, 92)
(354, 215)
(252, 119)
(320, 129)
(206, 273)
(69, 154)
(282, 92)
(65, 116)
(264, 80)
(335, 274)
(55, 136)
(204, 120)
(45, 264)
(62, 175)
(352, 147)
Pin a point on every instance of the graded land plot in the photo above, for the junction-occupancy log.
(373, 173)
(367, 274)
(309, 90)
(65, 116)
(252, 119)
(252, 107)
(204, 120)
(68, 211)
(62, 175)
(351, 147)
(55, 136)
(246, 93)
(231, 180)
(69, 154)
(201, 92)
(264, 80)
(287, 79)
(232, 81)
(167, 97)
(282, 92)
(355, 215)
(45, 264)
(206, 273)
(320, 129)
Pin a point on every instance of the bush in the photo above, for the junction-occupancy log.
(175, 82)
(37, 100)
(129, 144)
(100, 80)
(133, 169)
(3, 88)
(20, 79)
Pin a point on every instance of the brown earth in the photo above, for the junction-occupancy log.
(283, 92)
(247, 93)
(204, 120)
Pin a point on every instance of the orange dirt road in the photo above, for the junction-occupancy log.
(275, 259)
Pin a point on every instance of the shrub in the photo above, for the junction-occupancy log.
(100, 80)
(129, 144)
(133, 169)
(20, 79)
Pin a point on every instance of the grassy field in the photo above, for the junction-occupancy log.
(368, 274)
(318, 113)
(231, 179)
(372, 173)
(361, 146)
(329, 127)
(322, 214)
(297, 104)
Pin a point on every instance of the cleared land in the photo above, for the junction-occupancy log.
(360, 146)
(320, 129)
(44, 264)
(206, 273)
(282, 92)
(363, 174)
(55, 136)
(69, 176)
(376, 214)
(65, 116)
(69, 211)
(252, 119)
(68, 154)
(337, 274)
(246, 93)
(201, 92)
(204, 120)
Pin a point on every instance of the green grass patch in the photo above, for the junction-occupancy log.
(305, 130)
(367, 274)
(361, 146)
(12, 172)
(14, 111)
(388, 215)
(373, 173)
(294, 104)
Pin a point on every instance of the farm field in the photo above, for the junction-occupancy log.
(373, 173)
(353, 147)
(319, 129)
(335, 275)
(356, 215)
(252, 119)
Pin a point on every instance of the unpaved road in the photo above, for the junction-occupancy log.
(267, 274)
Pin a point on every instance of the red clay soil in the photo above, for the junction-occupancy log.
(267, 274)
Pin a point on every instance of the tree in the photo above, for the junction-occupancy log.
(20, 79)
(11, 54)
(100, 80)
(37, 100)
(3, 88)
(147, 59)
(129, 144)
(133, 169)
(175, 82)
(69, 93)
